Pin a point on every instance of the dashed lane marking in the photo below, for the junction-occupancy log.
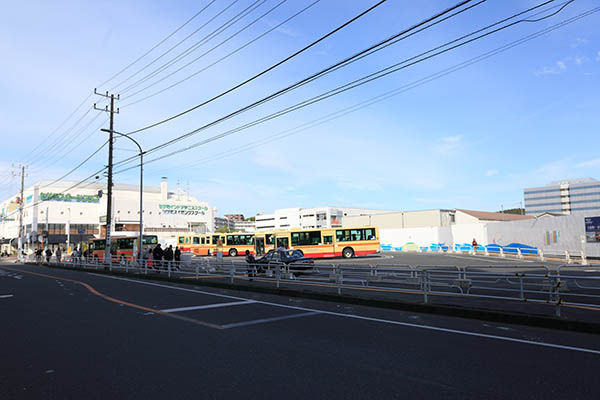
(5, 296)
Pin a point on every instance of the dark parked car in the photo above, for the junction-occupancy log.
(294, 259)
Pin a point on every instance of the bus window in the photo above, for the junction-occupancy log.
(215, 239)
(306, 238)
(327, 239)
(125, 243)
(196, 240)
(202, 240)
(99, 244)
(269, 238)
(181, 240)
(150, 239)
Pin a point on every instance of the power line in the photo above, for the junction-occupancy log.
(382, 97)
(220, 59)
(233, 20)
(211, 50)
(343, 88)
(156, 45)
(36, 152)
(78, 165)
(268, 69)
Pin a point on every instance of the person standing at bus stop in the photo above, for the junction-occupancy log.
(177, 257)
(157, 255)
(168, 255)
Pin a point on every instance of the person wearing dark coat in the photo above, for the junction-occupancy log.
(168, 256)
(177, 257)
(157, 255)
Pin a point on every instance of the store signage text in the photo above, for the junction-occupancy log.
(175, 209)
(70, 198)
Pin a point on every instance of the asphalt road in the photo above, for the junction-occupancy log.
(70, 334)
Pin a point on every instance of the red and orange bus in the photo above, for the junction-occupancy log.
(121, 247)
(232, 243)
(320, 243)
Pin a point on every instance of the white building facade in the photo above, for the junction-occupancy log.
(76, 214)
(309, 218)
(578, 195)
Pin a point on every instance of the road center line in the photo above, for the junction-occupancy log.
(384, 321)
(207, 306)
(266, 320)
(5, 296)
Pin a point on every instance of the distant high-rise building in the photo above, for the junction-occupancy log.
(563, 197)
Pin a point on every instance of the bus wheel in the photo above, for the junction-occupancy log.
(233, 253)
(348, 252)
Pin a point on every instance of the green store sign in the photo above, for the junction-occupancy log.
(69, 198)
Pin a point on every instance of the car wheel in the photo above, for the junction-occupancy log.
(348, 252)
(233, 253)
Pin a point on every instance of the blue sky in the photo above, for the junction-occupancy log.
(472, 139)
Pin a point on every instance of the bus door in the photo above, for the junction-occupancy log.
(259, 245)
(327, 244)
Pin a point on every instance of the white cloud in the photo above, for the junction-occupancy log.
(491, 172)
(448, 144)
(598, 56)
(579, 60)
(561, 65)
(589, 163)
(546, 71)
(579, 42)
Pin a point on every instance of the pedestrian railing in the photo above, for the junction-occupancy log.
(535, 284)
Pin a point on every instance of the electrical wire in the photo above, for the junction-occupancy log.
(371, 77)
(268, 69)
(232, 21)
(157, 45)
(379, 98)
(210, 50)
(219, 60)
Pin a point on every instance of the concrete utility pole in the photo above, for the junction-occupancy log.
(112, 112)
(21, 202)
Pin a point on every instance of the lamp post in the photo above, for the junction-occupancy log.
(140, 259)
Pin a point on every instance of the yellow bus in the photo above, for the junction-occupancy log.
(319, 243)
(233, 243)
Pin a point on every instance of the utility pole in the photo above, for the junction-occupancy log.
(21, 202)
(112, 112)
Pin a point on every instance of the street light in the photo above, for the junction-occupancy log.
(140, 260)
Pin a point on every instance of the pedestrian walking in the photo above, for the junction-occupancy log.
(157, 255)
(474, 245)
(177, 257)
(38, 256)
(48, 255)
(168, 256)
(58, 254)
(251, 267)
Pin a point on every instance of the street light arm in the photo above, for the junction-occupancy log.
(126, 136)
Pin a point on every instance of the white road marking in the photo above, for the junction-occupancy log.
(5, 296)
(360, 317)
(207, 306)
(266, 320)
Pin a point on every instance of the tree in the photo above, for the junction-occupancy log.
(251, 219)
(223, 229)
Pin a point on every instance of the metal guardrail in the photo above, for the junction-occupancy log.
(566, 256)
(536, 285)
